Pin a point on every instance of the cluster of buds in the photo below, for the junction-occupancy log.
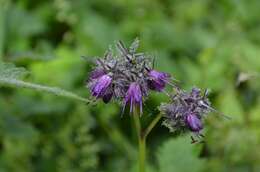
(187, 110)
(127, 76)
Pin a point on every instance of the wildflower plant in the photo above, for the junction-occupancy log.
(129, 76)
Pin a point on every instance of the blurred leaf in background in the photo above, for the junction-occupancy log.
(179, 154)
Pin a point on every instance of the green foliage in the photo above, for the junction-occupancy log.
(16, 135)
(179, 154)
(20, 140)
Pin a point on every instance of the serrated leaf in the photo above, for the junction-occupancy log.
(178, 154)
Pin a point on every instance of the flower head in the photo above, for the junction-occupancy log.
(158, 80)
(133, 96)
(186, 111)
(132, 73)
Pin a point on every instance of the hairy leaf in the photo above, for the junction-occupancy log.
(9, 76)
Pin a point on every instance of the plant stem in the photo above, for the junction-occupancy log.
(41, 88)
(137, 123)
(152, 125)
(142, 135)
(141, 141)
(142, 154)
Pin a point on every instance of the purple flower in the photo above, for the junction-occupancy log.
(158, 80)
(133, 76)
(101, 85)
(193, 122)
(134, 96)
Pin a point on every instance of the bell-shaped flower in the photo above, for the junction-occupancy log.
(101, 85)
(134, 96)
(158, 80)
(193, 122)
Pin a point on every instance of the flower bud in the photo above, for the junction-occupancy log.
(193, 122)
(101, 85)
(157, 80)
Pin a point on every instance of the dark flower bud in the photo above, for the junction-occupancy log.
(157, 80)
(107, 96)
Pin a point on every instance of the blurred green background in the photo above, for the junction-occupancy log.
(207, 43)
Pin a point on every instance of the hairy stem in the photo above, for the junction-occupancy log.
(142, 135)
(142, 154)
(41, 88)
(141, 141)
(152, 125)
(137, 123)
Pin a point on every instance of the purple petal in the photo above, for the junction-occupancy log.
(134, 96)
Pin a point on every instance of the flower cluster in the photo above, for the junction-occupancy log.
(186, 111)
(127, 77)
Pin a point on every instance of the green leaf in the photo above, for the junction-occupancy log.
(9, 76)
(178, 154)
